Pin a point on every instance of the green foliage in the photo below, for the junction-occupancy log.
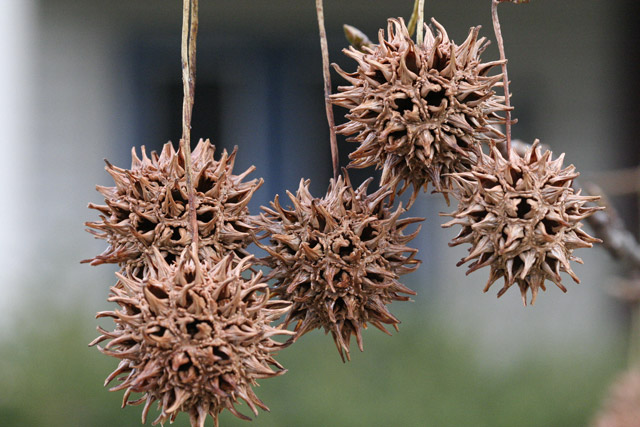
(422, 376)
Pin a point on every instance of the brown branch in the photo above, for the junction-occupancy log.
(505, 76)
(619, 182)
(420, 23)
(327, 89)
(188, 54)
(607, 225)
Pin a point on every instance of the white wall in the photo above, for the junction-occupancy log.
(18, 29)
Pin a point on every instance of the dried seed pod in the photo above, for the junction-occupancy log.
(418, 111)
(148, 207)
(338, 259)
(622, 406)
(192, 336)
(522, 218)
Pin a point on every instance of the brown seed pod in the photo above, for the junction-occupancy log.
(522, 218)
(338, 259)
(418, 112)
(193, 336)
(148, 206)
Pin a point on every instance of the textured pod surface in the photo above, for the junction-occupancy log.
(148, 206)
(192, 336)
(419, 111)
(522, 218)
(338, 259)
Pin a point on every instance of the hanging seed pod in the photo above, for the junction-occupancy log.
(522, 218)
(148, 206)
(418, 111)
(338, 259)
(192, 336)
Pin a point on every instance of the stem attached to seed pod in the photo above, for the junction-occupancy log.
(188, 54)
(327, 89)
(505, 77)
(411, 26)
(420, 23)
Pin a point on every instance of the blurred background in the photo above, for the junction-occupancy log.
(84, 80)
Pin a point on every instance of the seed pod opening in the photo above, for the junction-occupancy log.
(522, 218)
(418, 112)
(192, 336)
(338, 259)
(148, 207)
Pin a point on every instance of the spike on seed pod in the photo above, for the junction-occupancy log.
(148, 206)
(338, 259)
(522, 218)
(193, 336)
(418, 112)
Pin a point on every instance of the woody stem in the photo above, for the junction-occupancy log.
(327, 89)
(505, 77)
(420, 23)
(188, 55)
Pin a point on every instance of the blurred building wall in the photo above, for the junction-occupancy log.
(18, 32)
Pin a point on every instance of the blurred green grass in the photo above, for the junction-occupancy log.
(422, 376)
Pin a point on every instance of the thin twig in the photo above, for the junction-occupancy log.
(327, 89)
(623, 245)
(619, 182)
(505, 77)
(420, 23)
(188, 53)
(616, 238)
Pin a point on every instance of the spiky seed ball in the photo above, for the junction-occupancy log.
(338, 259)
(148, 207)
(418, 111)
(522, 218)
(193, 336)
